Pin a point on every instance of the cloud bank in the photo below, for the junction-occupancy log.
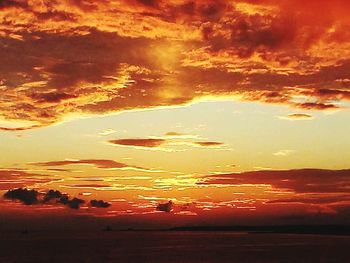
(96, 57)
(53, 197)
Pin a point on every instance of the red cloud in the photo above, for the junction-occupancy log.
(298, 181)
(208, 144)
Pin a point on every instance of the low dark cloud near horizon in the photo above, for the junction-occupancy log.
(99, 203)
(73, 203)
(27, 197)
(166, 207)
(53, 197)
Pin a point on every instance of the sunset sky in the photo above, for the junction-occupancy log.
(176, 112)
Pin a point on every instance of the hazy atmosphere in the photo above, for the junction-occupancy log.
(145, 114)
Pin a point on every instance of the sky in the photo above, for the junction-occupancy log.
(165, 113)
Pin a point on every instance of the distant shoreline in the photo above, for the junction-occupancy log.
(283, 229)
(326, 230)
(339, 230)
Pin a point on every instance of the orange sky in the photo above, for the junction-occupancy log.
(142, 102)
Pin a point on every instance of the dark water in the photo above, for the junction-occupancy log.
(172, 247)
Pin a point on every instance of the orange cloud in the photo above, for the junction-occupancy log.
(96, 57)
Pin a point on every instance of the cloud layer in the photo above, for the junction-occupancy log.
(11, 178)
(94, 57)
(298, 181)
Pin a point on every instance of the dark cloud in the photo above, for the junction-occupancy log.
(74, 203)
(32, 197)
(28, 197)
(64, 199)
(52, 194)
(166, 207)
(99, 203)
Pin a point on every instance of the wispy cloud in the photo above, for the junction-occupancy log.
(107, 132)
(209, 144)
(142, 143)
(170, 142)
(284, 152)
(98, 163)
(297, 116)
